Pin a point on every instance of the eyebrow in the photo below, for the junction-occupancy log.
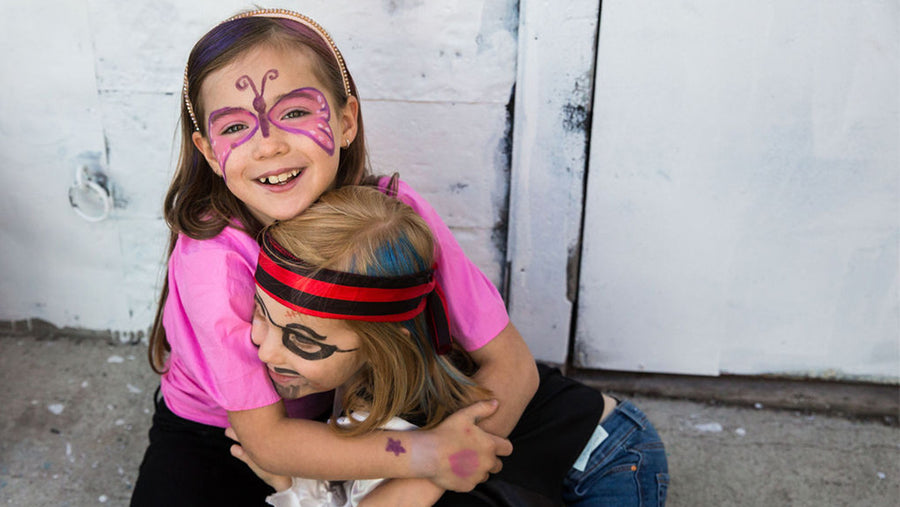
(213, 116)
(314, 335)
(306, 92)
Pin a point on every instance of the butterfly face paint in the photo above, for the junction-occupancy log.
(229, 128)
(303, 111)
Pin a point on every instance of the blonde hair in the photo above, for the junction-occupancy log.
(360, 230)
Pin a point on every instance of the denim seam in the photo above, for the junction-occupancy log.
(633, 413)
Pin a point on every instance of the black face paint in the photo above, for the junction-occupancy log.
(302, 340)
(287, 392)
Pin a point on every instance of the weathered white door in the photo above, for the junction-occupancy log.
(741, 208)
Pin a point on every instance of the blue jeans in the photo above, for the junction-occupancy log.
(627, 468)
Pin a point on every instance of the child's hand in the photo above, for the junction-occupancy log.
(279, 482)
(466, 455)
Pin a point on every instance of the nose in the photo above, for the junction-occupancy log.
(269, 346)
(270, 145)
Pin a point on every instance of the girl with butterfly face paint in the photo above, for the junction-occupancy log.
(270, 121)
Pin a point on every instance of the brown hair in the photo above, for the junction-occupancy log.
(360, 230)
(198, 204)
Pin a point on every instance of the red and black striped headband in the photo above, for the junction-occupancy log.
(351, 296)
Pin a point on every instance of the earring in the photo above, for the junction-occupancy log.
(346, 143)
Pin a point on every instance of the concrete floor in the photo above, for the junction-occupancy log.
(75, 414)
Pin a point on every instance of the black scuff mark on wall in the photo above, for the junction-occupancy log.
(585, 87)
(457, 188)
(573, 264)
(576, 118)
(576, 114)
(500, 231)
(119, 200)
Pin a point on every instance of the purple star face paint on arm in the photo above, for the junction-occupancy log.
(305, 111)
(395, 447)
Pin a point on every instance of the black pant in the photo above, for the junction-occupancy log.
(552, 432)
(189, 464)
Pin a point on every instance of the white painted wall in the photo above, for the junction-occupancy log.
(800, 268)
(743, 199)
(99, 80)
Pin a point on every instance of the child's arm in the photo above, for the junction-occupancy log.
(507, 368)
(456, 455)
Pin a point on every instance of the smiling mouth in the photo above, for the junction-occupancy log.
(279, 179)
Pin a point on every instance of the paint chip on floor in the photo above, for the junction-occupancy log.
(712, 427)
(115, 359)
(56, 408)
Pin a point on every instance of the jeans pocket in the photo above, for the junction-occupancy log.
(662, 487)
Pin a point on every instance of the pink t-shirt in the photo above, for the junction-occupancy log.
(213, 367)
(477, 313)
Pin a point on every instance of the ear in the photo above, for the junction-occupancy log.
(349, 118)
(205, 148)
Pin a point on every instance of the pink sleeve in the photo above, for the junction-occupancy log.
(214, 289)
(476, 310)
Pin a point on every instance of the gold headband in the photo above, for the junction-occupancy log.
(284, 14)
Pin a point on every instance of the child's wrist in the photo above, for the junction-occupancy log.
(423, 457)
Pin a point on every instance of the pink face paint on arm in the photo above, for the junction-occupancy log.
(259, 102)
(229, 128)
(305, 111)
(464, 463)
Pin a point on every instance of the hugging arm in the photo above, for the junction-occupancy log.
(303, 448)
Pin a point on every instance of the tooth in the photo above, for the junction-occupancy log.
(282, 177)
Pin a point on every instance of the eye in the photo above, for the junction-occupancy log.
(299, 339)
(301, 342)
(258, 315)
(293, 114)
(233, 128)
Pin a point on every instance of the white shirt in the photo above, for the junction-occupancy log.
(317, 493)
